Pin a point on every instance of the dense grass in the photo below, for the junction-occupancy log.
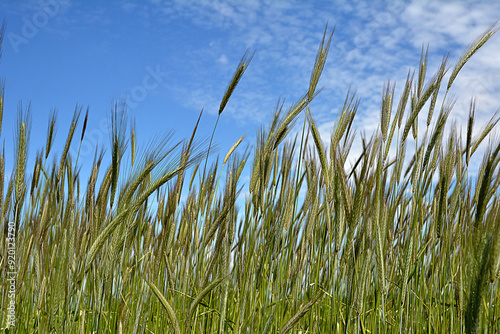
(401, 240)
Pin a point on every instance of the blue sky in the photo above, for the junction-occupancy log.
(173, 58)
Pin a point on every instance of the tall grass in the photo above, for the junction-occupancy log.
(397, 239)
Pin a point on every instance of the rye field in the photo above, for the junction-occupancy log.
(398, 239)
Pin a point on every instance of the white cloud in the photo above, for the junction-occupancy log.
(223, 59)
(373, 42)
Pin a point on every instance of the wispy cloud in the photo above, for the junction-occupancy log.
(372, 43)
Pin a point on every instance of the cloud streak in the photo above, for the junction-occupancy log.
(372, 43)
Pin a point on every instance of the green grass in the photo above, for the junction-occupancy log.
(402, 240)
